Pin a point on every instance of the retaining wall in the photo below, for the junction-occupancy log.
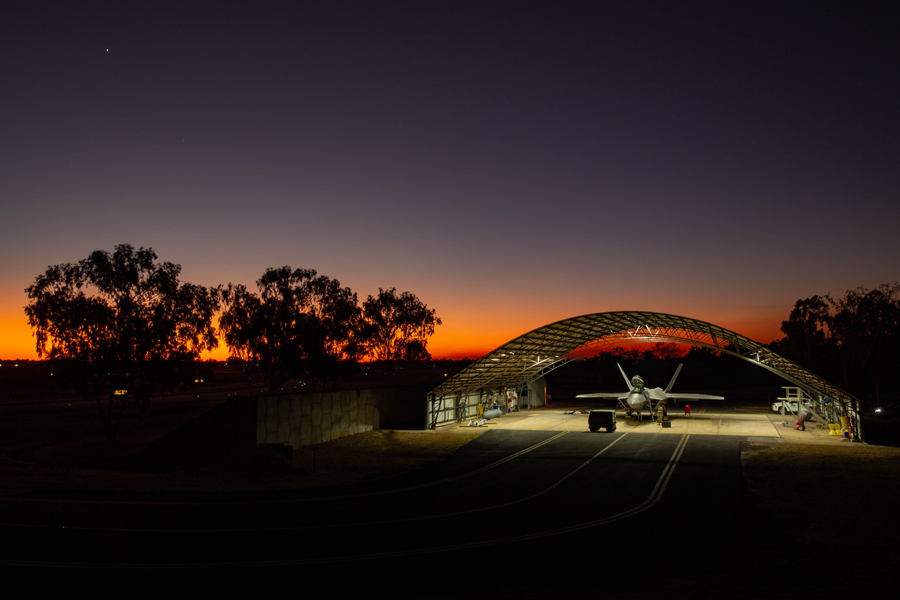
(299, 420)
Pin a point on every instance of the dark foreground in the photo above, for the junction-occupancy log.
(514, 514)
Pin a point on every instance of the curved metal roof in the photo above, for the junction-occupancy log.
(537, 352)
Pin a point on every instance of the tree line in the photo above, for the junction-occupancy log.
(852, 341)
(121, 327)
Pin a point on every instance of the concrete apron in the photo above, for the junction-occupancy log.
(756, 424)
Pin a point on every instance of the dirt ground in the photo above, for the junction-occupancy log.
(824, 512)
(366, 456)
(837, 498)
(43, 451)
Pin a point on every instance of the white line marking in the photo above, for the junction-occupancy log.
(494, 464)
(654, 497)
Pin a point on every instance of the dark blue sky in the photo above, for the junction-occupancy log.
(512, 163)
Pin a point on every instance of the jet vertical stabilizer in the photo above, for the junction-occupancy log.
(625, 377)
(674, 377)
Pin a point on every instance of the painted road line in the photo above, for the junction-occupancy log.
(655, 496)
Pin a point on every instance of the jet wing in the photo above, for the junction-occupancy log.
(671, 396)
(613, 395)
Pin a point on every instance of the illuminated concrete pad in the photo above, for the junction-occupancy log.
(752, 422)
(703, 423)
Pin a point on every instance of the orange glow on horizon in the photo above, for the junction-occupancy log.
(16, 341)
(466, 338)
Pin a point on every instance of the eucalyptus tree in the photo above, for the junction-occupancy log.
(865, 327)
(397, 326)
(852, 340)
(298, 323)
(119, 325)
(808, 338)
(240, 326)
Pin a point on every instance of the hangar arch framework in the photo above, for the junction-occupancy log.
(530, 356)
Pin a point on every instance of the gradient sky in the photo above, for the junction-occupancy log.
(511, 163)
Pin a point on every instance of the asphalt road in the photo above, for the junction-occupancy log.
(514, 511)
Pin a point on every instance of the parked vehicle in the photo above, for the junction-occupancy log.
(789, 406)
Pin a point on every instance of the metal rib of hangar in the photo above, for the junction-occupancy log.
(528, 357)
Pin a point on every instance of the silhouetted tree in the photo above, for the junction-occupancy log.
(865, 327)
(629, 356)
(298, 323)
(331, 333)
(397, 326)
(241, 326)
(848, 338)
(703, 357)
(666, 351)
(137, 328)
(807, 333)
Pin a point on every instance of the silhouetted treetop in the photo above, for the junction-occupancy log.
(300, 322)
(851, 341)
(115, 318)
(398, 326)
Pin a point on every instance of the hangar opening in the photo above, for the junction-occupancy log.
(517, 367)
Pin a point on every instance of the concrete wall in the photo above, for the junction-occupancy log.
(299, 420)
(536, 391)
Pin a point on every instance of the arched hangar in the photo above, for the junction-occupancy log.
(521, 362)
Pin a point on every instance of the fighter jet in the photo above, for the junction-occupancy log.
(639, 398)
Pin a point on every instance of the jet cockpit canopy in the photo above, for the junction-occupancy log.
(637, 383)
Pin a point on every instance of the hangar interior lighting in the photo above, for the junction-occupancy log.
(586, 335)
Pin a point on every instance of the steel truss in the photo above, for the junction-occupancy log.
(542, 350)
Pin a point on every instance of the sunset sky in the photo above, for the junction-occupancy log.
(511, 163)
